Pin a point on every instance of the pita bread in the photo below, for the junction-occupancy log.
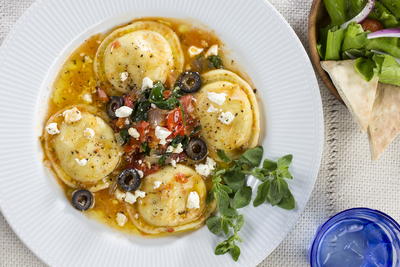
(357, 93)
(385, 119)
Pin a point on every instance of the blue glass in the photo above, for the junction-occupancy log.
(357, 237)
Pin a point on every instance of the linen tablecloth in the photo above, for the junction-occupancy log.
(348, 178)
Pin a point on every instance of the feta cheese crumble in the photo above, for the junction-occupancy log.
(119, 195)
(173, 163)
(87, 98)
(121, 219)
(132, 198)
(123, 112)
(207, 168)
(141, 174)
(212, 51)
(88, 133)
(212, 109)
(162, 134)
(124, 76)
(194, 50)
(147, 83)
(134, 133)
(176, 150)
(217, 98)
(193, 201)
(81, 162)
(157, 184)
(72, 115)
(52, 128)
(226, 117)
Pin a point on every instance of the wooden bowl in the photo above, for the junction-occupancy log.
(318, 17)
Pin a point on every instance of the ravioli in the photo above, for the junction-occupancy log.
(243, 131)
(164, 209)
(82, 159)
(141, 49)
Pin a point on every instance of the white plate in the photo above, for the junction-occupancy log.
(34, 205)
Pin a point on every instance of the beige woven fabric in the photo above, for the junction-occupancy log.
(347, 178)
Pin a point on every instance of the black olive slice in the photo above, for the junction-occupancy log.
(115, 103)
(129, 180)
(82, 199)
(196, 149)
(189, 82)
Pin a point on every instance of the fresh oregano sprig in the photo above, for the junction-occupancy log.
(230, 191)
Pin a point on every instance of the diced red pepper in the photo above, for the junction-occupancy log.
(143, 128)
(187, 103)
(181, 178)
(175, 122)
(167, 93)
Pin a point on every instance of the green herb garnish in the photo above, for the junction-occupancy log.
(140, 110)
(157, 98)
(180, 139)
(144, 148)
(230, 191)
(215, 61)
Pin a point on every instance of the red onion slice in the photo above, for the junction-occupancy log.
(394, 32)
(362, 15)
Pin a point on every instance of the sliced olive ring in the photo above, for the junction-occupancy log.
(82, 199)
(189, 82)
(115, 103)
(196, 149)
(129, 180)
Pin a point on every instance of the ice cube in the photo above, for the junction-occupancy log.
(377, 255)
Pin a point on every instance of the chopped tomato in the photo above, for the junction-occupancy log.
(181, 178)
(175, 122)
(187, 103)
(101, 94)
(167, 93)
(170, 230)
(143, 128)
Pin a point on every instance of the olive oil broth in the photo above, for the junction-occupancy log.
(76, 83)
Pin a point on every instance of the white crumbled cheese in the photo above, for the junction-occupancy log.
(194, 51)
(81, 162)
(226, 117)
(217, 98)
(132, 198)
(212, 51)
(119, 195)
(207, 168)
(88, 133)
(141, 174)
(127, 121)
(72, 115)
(121, 219)
(82, 54)
(137, 216)
(153, 105)
(88, 59)
(124, 76)
(147, 83)
(87, 98)
(173, 163)
(134, 133)
(162, 134)
(123, 112)
(157, 184)
(212, 109)
(176, 150)
(52, 128)
(193, 201)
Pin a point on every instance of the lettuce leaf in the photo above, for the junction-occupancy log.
(388, 69)
(387, 44)
(337, 10)
(355, 7)
(354, 37)
(393, 6)
(334, 44)
(382, 14)
(365, 67)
